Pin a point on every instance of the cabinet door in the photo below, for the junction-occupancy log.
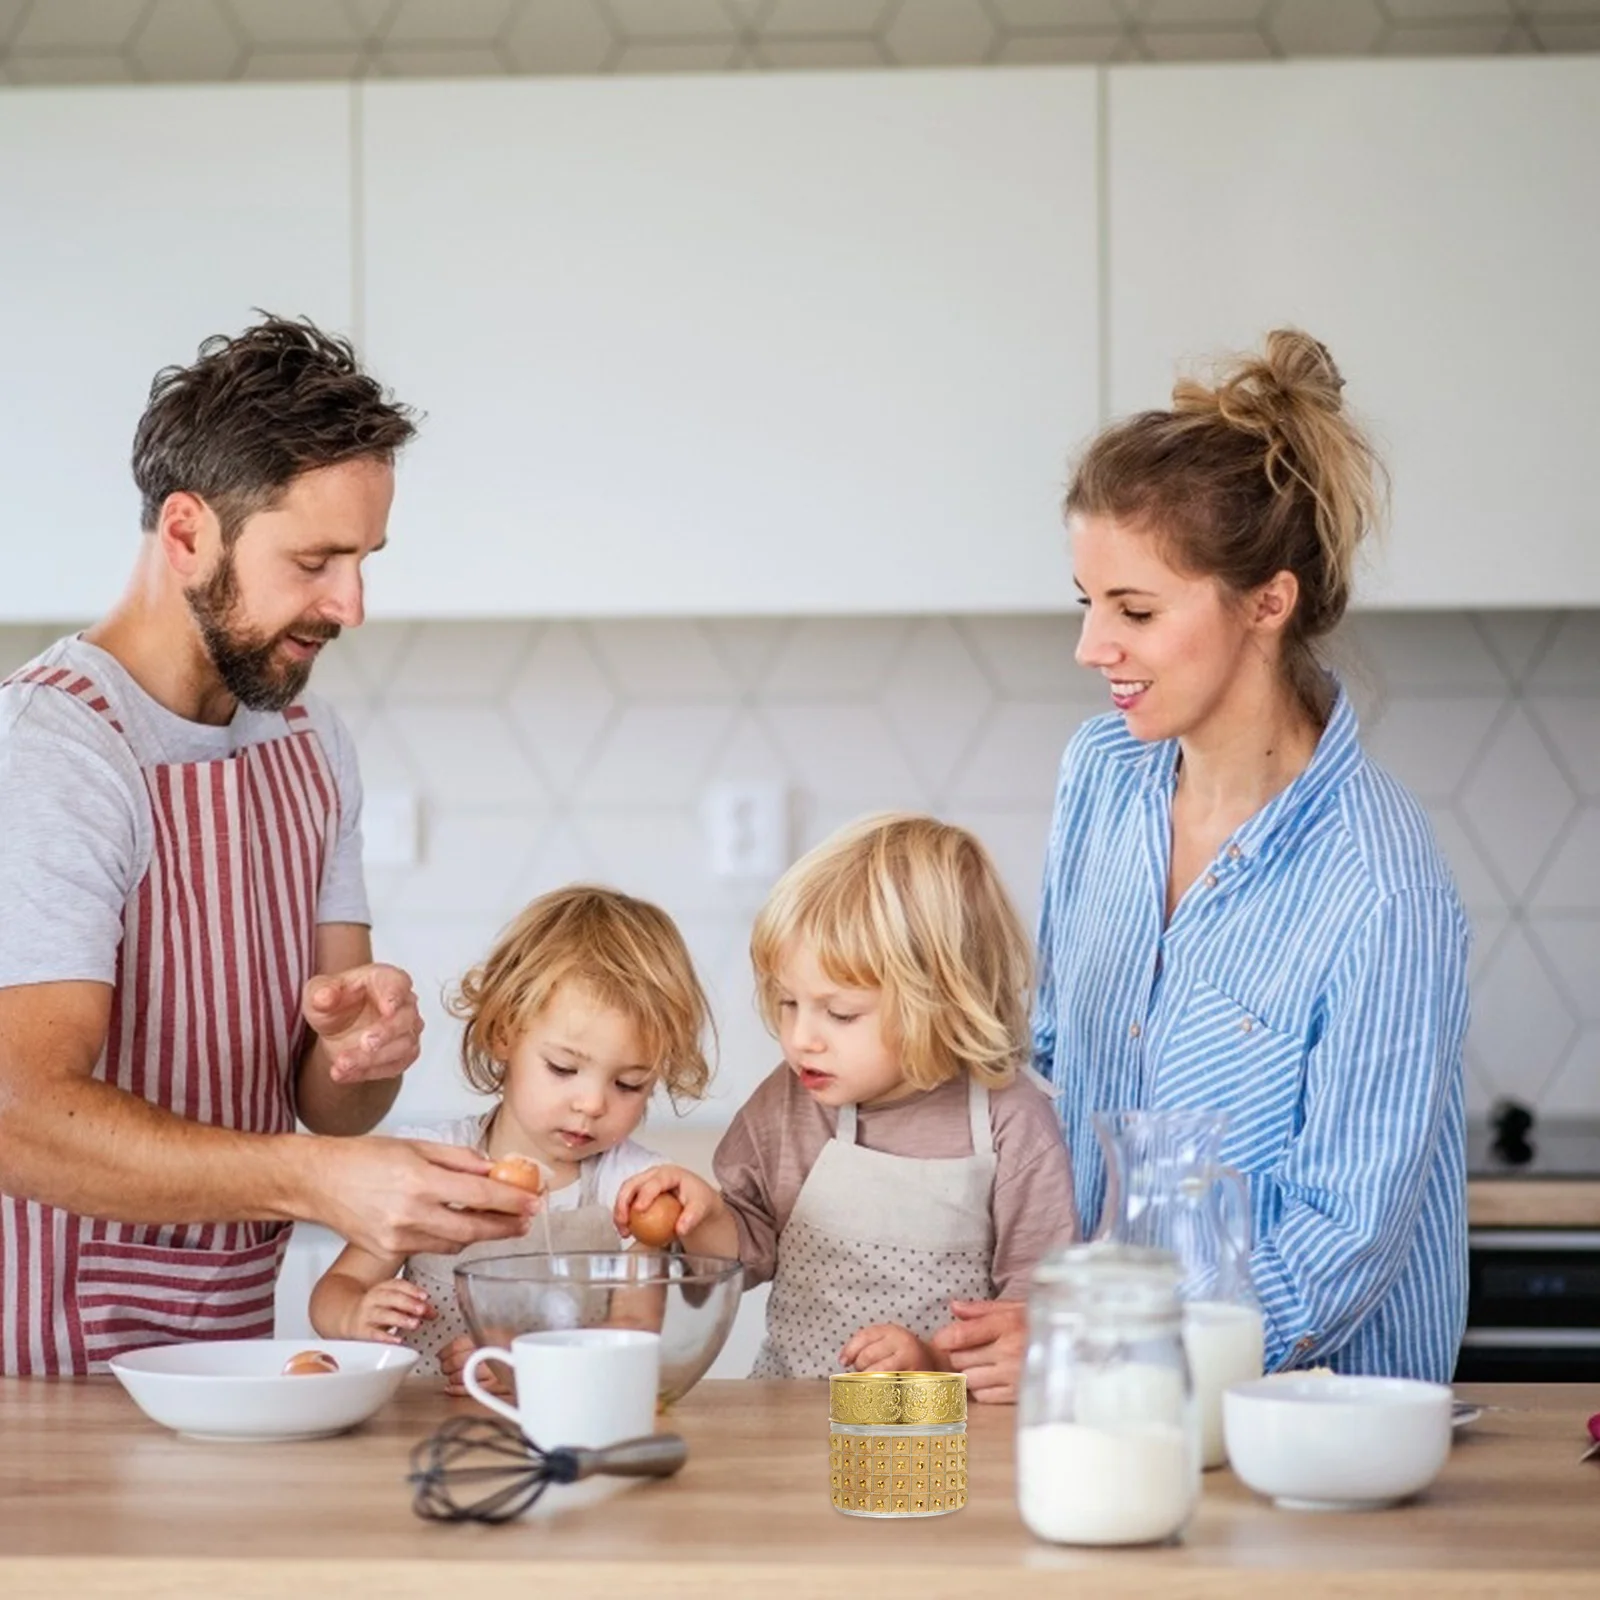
(1437, 225)
(777, 343)
(133, 224)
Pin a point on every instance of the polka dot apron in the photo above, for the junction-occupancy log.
(585, 1226)
(879, 1238)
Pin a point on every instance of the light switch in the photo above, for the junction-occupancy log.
(391, 832)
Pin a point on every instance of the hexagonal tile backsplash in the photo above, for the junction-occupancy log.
(544, 752)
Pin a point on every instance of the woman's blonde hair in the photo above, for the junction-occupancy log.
(915, 908)
(624, 953)
(1258, 472)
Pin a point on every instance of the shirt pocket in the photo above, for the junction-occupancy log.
(1220, 1055)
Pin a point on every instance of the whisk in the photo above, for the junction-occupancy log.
(479, 1469)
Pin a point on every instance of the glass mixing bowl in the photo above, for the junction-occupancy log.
(690, 1300)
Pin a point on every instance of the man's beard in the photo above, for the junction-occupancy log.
(248, 662)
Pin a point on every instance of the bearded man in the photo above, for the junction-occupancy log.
(185, 952)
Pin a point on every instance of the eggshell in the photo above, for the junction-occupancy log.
(656, 1224)
(520, 1171)
(307, 1363)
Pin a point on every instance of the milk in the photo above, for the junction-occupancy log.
(1091, 1485)
(1224, 1343)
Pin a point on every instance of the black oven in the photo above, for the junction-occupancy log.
(1533, 1308)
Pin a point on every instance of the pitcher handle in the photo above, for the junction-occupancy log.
(1237, 1190)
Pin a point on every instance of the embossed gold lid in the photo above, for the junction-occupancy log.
(890, 1399)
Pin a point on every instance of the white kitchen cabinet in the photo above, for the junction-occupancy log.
(134, 222)
(747, 344)
(1437, 225)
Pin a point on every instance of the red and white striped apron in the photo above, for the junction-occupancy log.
(217, 941)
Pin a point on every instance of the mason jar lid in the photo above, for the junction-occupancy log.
(1112, 1277)
(891, 1399)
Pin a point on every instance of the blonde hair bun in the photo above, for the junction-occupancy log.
(1258, 469)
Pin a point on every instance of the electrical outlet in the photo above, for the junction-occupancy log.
(747, 826)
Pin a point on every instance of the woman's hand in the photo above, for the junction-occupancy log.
(987, 1341)
(388, 1310)
(887, 1347)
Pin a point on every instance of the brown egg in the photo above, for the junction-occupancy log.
(304, 1363)
(521, 1172)
(656, 1224)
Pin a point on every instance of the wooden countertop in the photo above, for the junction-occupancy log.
(96, 1500)
(1533, 1202)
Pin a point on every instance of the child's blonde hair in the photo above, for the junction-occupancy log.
(913, 907)
(625, 953)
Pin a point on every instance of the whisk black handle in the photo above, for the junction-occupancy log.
(657, 1455)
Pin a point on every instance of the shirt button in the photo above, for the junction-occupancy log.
(1211, 880)
(1234, 852)
(1134, 1030)
(1247, 1025)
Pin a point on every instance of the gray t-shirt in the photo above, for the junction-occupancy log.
(76, 831)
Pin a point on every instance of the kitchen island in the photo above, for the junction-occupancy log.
(95, 1500)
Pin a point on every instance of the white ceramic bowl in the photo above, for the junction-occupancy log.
(235, 1388)
(1329, 1443)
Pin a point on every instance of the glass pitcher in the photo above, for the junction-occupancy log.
(1166, 1189)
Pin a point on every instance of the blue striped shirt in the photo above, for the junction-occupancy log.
(1312, 985)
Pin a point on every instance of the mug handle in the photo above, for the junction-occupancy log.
(469, 1378)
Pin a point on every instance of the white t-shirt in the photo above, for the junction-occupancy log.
(76, 831)
(615, 1166)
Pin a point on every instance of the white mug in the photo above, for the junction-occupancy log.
(588, 1387)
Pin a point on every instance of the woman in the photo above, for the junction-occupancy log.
(1241, 912)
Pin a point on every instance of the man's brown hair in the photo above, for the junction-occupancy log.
(253, 413)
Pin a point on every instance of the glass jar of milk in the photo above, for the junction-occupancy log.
(1107, 1435)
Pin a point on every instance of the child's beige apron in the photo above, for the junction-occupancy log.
(879, 1238)
(585, 1226)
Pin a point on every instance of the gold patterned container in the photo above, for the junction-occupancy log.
(897, 1443)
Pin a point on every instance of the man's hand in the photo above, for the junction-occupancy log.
(887, 1347)
(987, 1341)
(399, 1197)
(367, 1020)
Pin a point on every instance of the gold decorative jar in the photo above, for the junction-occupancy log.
(897, 1444)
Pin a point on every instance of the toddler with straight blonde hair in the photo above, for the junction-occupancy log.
(901, 1158)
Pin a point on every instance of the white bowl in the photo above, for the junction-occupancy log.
(235, 1388)
(1329, 1443)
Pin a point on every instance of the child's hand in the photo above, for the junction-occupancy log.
(887, 1347)
(453, 1362)
(698, 1199)
(388, 1306)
